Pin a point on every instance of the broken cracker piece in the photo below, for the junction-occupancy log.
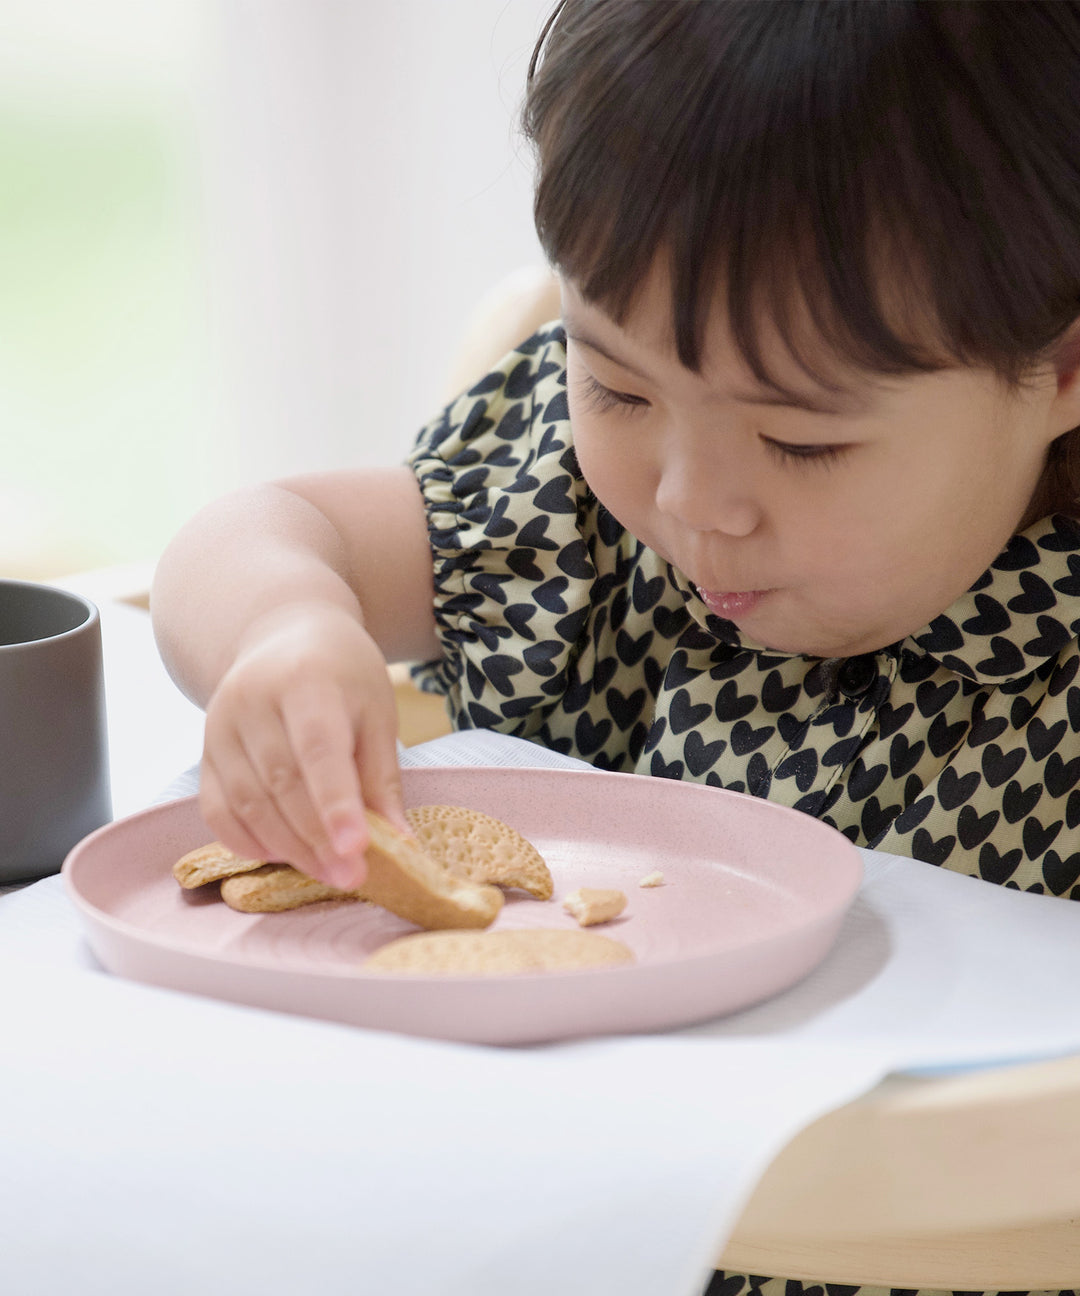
(277, 887)
(403, 878)
(211, 863)
(652, 879)
(592, 905)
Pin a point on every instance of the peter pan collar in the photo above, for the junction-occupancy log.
(1017, 616)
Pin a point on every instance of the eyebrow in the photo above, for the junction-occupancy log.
(575, 334)
(836, 400)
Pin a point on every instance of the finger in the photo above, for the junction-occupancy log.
(248, 801)
(235, 810)
(288, 803)
(214, 807)
(380, 772)
(320, 734)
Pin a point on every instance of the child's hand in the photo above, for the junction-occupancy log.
(300, 735)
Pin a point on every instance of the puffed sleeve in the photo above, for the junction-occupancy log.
(508, 518)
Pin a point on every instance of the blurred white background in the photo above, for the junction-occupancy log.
(238, 238)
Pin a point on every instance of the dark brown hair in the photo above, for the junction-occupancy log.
(879, 162)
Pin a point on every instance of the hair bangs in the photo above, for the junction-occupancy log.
(832, 174)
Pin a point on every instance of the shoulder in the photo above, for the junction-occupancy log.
(497, 468)
(523, 395)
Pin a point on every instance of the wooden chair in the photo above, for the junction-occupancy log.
(963, 1182)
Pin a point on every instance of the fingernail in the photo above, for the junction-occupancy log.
(348, 839)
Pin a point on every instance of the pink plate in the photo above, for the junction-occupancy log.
(752, 900)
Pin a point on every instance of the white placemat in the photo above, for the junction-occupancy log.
(176, 1144)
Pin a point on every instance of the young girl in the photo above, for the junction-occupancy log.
(786, 504)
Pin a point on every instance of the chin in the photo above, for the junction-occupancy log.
(816, 636)
(817, 645)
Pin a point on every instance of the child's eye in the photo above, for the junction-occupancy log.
(824, 456)
(601, 398)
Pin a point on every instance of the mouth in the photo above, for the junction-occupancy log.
(732, 605)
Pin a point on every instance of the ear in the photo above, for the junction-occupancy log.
(1064, 410)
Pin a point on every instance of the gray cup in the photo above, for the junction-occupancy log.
(54, 761)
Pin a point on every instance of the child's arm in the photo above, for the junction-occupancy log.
(277, 609)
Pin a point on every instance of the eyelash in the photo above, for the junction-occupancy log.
(807, 456)
(603, 399)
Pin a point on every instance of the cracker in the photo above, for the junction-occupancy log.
(498, 953)
(652, 879)
(592, 905)
(211, 863)
(403, 878)
(275, 888)
(473, 845)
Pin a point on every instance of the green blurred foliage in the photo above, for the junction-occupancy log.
(105, 414)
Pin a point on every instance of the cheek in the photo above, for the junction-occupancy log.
(602, 457)
(589, 460)
(856, 530)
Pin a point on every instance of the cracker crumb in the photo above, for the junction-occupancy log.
(590, 905)
(652, 879)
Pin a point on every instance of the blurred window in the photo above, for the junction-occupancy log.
(238, 238)
(104, 416)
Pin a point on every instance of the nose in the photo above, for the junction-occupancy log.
(706, 497)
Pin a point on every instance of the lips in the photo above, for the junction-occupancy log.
(732, 605)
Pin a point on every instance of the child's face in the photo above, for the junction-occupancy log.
(822, 525)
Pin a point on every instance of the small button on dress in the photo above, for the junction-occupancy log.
(857, 676)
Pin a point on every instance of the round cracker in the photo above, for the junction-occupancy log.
(498, 953)
(476, 846)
